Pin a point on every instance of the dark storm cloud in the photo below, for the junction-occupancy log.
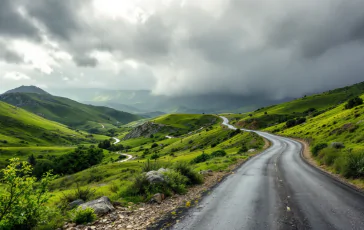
(278, 49)
(12, 23)
(10, 56)
(85, 61)
(59, 17)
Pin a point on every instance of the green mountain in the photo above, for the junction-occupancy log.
(69, 112)
(308, 105)
(27, 89)
(19, 127)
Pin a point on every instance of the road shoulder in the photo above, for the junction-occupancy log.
(308, 158)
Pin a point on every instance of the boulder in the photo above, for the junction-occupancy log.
(75, 203)
(101, 206)
(156, 176)
(206, 172)
(158, 198)
(251, 150)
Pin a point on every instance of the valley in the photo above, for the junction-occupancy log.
(198, 151)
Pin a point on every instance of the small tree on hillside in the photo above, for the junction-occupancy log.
(22, 204)
(354, 102)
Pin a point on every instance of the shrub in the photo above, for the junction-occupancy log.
(290, 123)
(121, 157)
(139, 186)
(186, 170)
(175, 181)
(150, 165)
(317, 148)
(337, 145)
(22, 203)
(353, 165)
(154, 145)
(329, 156)
(83, 216)
(353, 102)
(243, 149)
(84, 194)
(155, 156)
(201, 158)
(218, 153)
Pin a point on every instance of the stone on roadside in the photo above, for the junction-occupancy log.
(206, 172)
(100, 206)
(75, 203)
(159, 197)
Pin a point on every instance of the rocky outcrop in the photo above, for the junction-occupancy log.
(156, 176)
(75, 204)
(100, 206)
(147, 129)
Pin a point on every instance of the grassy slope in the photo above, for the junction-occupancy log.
(23, 133)
(341, 125)
(186, 122)
(336, 125)
(110, 175)
(275, 114)
(67, 111)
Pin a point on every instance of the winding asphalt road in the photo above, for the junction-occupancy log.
(277, 189)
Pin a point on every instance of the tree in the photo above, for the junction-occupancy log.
(22, 204)
(32, 160)
(354, 102)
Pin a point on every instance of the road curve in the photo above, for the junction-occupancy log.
(277, 190)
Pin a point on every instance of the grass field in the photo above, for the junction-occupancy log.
(111, 179)
(23, 133)
(275, 114)
(336, 125)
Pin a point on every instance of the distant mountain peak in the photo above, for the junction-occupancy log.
(27, 89)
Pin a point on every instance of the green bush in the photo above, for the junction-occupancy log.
(317, 148)
(201, 158)
(354, 102)
(155, 156)
(353, 165)
(150, 166)
(186, 170)
(243, 149)
(175, 181)
(139, 186)
(329, 155)
(218, 153)
(84, 194)
(22, 203)
(154, 145)
(83, 216)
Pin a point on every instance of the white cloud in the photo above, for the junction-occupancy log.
(15, 76)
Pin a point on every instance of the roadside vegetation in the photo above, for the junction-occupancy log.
(336, 138)
(88, 169)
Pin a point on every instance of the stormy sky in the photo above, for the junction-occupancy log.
(277, 48)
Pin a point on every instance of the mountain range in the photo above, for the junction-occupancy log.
(64, 110)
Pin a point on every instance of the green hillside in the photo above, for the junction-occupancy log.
(302, 107)
(186, 122)
(336, 138)
(23, 133)
(69, 112)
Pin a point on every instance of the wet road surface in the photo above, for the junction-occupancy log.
(277, 189)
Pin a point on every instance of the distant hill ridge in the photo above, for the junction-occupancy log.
(27, 89)
(66, 111)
